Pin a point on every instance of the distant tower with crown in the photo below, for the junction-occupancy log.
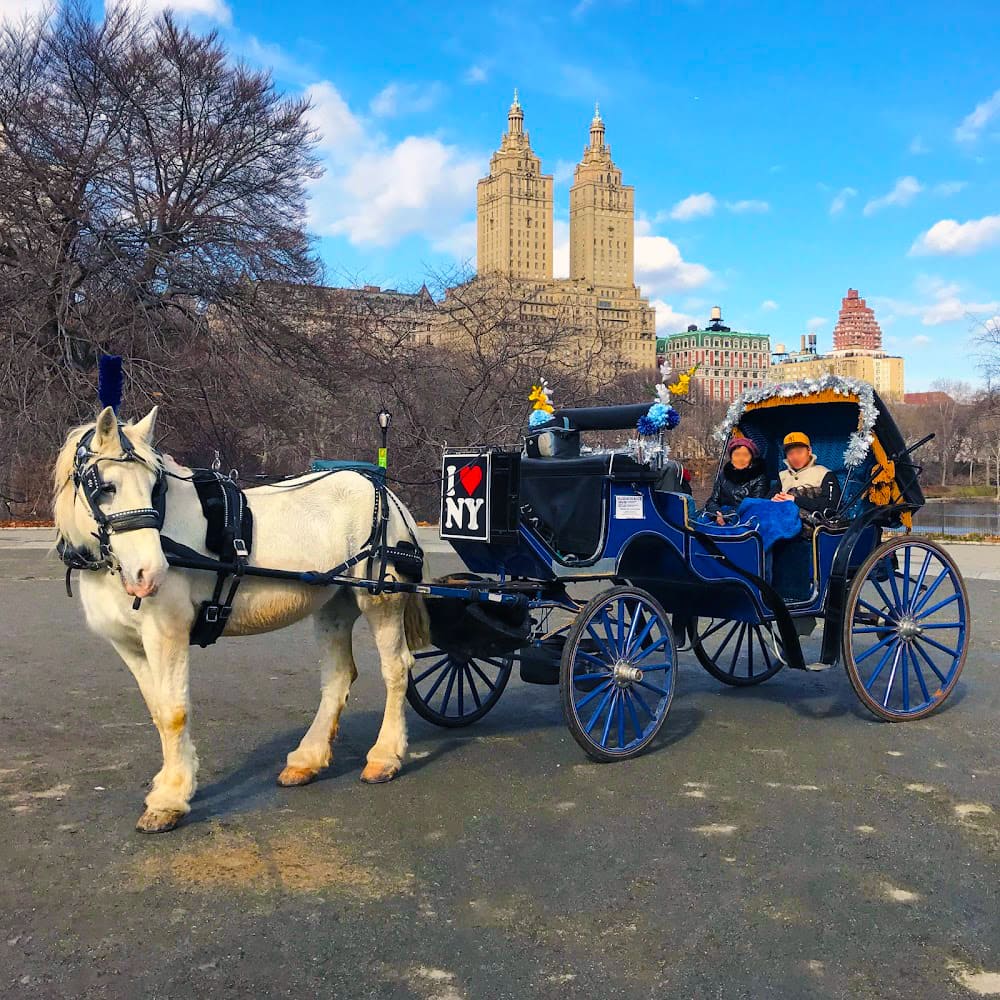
(601, 217)
(856, 326)
(514, 208)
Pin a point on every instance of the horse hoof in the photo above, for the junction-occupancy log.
(292, 776)
(159, 820)
(377, 774)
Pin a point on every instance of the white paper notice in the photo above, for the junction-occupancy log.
(628, 508)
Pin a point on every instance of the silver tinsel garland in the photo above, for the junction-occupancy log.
(858, 444)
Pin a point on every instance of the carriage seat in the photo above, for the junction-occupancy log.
(567, 496)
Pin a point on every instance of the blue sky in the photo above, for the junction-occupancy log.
(780, 152)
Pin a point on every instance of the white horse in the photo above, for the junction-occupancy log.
(316, 527)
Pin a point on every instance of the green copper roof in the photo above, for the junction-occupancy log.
(661, 342)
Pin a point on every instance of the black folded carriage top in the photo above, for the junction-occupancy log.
(597, 418)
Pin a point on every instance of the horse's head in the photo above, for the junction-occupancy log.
(105, 479)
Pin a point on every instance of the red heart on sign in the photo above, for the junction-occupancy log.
(471, 476)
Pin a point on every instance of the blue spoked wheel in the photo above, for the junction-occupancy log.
(618, 673)
(906, 629)
(455, 691)
(738, 653)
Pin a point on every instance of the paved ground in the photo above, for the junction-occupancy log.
(776, 842)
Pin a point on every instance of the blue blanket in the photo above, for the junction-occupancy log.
(774, 520)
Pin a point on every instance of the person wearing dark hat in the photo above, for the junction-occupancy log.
(741, 477)
(813, 487)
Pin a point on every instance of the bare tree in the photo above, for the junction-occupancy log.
(989, 352)
(948, 412)
(145, 181)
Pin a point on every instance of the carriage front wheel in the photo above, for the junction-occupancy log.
(905, 631)
(618, 673)
(454, 691)
(741, 654)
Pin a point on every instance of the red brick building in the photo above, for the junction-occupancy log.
(856, 326)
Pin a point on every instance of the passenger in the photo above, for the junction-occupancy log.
(742, 476)
(813, 487)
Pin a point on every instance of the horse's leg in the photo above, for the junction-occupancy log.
(334, 624)
(160, 667)
(385, 615)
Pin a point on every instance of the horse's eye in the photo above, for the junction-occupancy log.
(109, 489)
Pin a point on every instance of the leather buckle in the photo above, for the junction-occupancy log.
(212, 613)
(240, 548)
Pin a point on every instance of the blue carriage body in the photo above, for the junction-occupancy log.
(564, 517)
(631, 531)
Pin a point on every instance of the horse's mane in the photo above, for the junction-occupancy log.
(62, 472)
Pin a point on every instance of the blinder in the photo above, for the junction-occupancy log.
(89, 481)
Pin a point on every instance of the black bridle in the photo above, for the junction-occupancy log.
(88, 481)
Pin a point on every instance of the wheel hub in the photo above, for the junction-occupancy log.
(625, 674)
(908, 629)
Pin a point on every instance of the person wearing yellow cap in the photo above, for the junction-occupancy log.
(813, 487)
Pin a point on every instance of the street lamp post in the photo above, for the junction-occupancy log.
(384, 419)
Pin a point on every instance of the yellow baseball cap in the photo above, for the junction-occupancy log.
(796, 437)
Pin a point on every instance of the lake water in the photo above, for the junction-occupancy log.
(959, 517)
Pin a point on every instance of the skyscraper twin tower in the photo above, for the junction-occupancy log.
(514, 214)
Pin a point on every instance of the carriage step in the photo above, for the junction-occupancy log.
(817, 667)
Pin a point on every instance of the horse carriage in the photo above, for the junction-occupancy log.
(587, 568)
(536, 526)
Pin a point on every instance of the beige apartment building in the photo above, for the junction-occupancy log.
(857, 353)
(883, 371)
(599, 303)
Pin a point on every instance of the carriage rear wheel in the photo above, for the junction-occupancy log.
(455, 691)
(905, 631)
(618, 673)
(738, 653)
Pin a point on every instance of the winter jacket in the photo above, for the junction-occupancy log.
(815, 487)
(734, 486)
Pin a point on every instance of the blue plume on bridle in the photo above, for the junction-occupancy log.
(109, 380)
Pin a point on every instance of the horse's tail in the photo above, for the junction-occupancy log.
(416, 622)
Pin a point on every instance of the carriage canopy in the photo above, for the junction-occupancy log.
(851, 430)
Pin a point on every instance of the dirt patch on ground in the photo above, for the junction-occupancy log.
(293, 862)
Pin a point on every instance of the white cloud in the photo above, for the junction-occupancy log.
(947, 188)
(748, 206)
(460, 243)
(560, 248)
(420, 185)
(918, 147)
(562, 172)
(213, 10)
(694, 206)
(768, 305)
(14, 11)
(905, 190)
(942, 303)
(920, 340)
(816, 323)
(476, 74)
(340, 131)
(952, 308)
(958, 238)
(668, 320)
(375, 192)
(405, 98)
(976, 120)
(659, 267)
(840, 200)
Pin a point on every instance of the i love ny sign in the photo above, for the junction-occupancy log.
(465, 497)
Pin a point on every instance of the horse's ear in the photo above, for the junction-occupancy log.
(144, 428)
(106, 426)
